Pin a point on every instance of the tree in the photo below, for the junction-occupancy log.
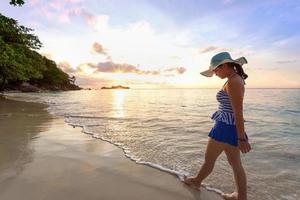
(12, 32)
(17, 61)
(72, 79)
(16, 2)
(20, 62)
(53, 75)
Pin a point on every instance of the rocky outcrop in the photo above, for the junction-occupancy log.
(27, 87)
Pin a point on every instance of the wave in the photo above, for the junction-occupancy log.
(295, 112)
(179, 174)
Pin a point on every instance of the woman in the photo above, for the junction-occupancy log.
(228, 133)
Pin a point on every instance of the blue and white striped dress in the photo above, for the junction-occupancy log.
(224, 129)
(224, 113)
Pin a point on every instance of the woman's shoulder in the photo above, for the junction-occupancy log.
(236, 82)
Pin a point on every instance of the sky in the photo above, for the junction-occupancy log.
(166, 43)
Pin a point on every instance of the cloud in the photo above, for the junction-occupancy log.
(33, 2)
(60, 10)
(233, 52)
(94, 82)
(98, 48)
(89, 17)
(110, 67)
(217, 49)
(66, 67)
(287, 61)
(208, 49)
(66, 14)
(95, 21)
(178, 70)
(109, 58)
(57, 5)
(133, 42)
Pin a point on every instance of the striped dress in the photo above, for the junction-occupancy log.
(225, 112)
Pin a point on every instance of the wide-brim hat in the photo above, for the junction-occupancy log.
(219, 59)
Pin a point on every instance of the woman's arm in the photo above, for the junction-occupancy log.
(235, 89)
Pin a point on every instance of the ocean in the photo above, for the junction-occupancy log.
(167, 129)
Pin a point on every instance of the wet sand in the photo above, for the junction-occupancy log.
(42, 157)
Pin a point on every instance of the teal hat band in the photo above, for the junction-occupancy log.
(219, 58)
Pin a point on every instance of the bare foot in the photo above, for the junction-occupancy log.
(232, 196)
(192, 182)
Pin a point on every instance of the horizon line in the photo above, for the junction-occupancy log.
(191, 88)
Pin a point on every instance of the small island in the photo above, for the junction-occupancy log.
(116, 87)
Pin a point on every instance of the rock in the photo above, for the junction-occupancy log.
(116, 87)
(26, 87)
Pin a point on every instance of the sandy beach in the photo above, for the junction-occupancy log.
(42, 157)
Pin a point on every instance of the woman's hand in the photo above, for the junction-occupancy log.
(244, 146)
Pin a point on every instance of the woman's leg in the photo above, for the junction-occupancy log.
(234, 159)
(213, 150)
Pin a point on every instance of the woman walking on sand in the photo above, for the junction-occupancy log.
(228, 133)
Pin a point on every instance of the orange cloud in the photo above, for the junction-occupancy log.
(110, 67)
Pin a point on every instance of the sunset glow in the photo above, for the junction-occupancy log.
(165, 44)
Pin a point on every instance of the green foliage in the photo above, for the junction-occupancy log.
(11, 32)
(20, 62)
(11, 69)
(16, 2)
(53, 75)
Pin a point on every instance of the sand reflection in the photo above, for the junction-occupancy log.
(20, 124)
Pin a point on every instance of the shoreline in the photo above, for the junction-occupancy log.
(54, 160)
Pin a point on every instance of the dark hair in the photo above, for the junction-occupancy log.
(238, 69)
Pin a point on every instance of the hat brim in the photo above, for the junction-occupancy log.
(209, 73)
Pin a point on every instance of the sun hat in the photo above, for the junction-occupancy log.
(221, 58)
